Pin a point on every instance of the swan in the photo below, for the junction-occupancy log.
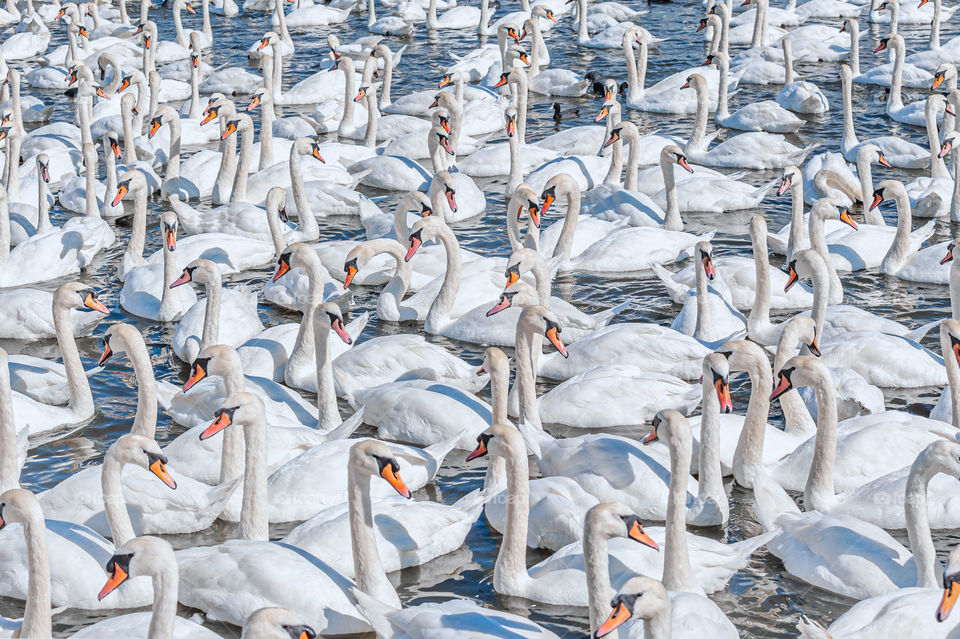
(663, 614)
(904, 259)
(203, 171)
(316, 594)
(879, 564)
(227, 316)
(913, 113)
(78, 553)
(799, 96)
(140, 294)
(705, 315)
(277, 623)
(514, 157)
(766, 115)
(456, 18)
(912, 76)
(145, 557)
(748, 150)
(556, 504)
(897, 151)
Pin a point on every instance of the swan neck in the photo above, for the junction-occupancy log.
(819, 493)
(440, 309)
(760, 311)
(749, 452)
(596, 563)
(36, 616)
(704, 327)
(114, 506)
(918, 526)
(240, 177)
(309, 228)
(9, 466)
(145, 422)
(329, 417)
(526, 354)
(254, 522)
(165, 585)
(510, 570)
(368, 568)
(865, 173)
(211, 315)
(849, 139)
(267, 116)
(81, 399)
(565, 241)
(677, 572)
(899, 251)
(711, 496)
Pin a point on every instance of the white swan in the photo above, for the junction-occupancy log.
(766, 115)
(226, 316)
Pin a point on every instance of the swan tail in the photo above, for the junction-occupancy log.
(769, 499)
(355, 327)
(347, 427)
(762, 191)
(603, 318)
(165, 393)
(534, 438)
(747, 547)
(925, 231)
(920, 332)
(676, 290)
(375, 611)
(810, 629)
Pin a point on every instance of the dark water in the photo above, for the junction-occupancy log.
(761, 600)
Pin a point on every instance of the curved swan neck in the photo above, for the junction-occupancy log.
(854, 59)
(696, 142)
(329, 417)
(631, 177)
(938, 168)
(596, 563)
(81, 399)
(254, 522)
(565, 241)
(309, 228)
(145, 421)
(673, 221)
(616, 161)
(899, 251)
(510, 570)
(368, 568)
(749, 452)
(895, 97)
(918, 526)
(819, 494)
(723, 110)
(439, 311)
(711, 495)
(760, 311)
(114, 506)
(36, 616)
(677, 572)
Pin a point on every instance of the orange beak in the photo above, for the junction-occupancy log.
(211, 114)
(183, 279)
(121, 191)
(603, 113)
(107, 353)
(535, 215)
(480, 450)
(171, 236)
(159, 468)
(415, 243)
(814, 348)
(95, 304)
(263, 43)
(444, 81)
(877, 199)
(393, 478)
(254, 103)
(513, 276)
(950, 594)
(351, 273)
(221, 422)
(511, 128)
(723, 394)
(947, 145)
(651, 436)
(846, 219)
(229, 130)
(102, 94)
(637, 533)
(316, 154)
(282, 267)
(337, 325)
(360, 95)
(793, 278)
(937, 79)
(785, 182)
(883, 161)
(617, 617)
(502, 81)
(708, 268)
(948, 256)
(117, 153)
(682, 161)
(781, 388)
(452, 200)
(553, 334)
(118, 576)
(154, 127)
(189, 8)
(197, 373)
(881, 46)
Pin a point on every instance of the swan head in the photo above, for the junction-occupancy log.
(949, 143)
(19, 506)
(523, 259)
(559, 184)
(745, 355)
(372, 457)
(500, 440)
(241, 408)
(424, 230)
(802, 329)
(716, 374)
(951, 585)
(140, 451)
(791, 175)
(525, 198)
(140, 556)
(276, 202)
(673, 153)
(494, 362)
(297, 255)
(802, 370)
(612, 520)
(805, 264)
(328, 317)
(169, 223)
(542, 11)
(640, 597)
(887, 189)
(277, 623)
(540, 319)
(120, 338)
(950, 338)
(131, 181)
(201, 271)
(946, 71)
(704, 253)
(672, 428)
(79, 296)
(510, 118)
(269, 38)
(696, 82)
(218, 359)
(440, 133)
(941, 456)
(521, 296)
